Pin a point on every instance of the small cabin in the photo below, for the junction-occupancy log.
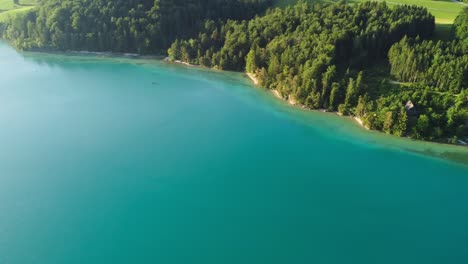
(410, 108)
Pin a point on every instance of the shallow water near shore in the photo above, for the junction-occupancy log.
(119, 160)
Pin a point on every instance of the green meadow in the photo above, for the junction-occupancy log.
(8, 7)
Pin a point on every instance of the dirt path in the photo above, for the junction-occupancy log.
(461, 3)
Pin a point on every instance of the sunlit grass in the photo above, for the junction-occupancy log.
(9, 8)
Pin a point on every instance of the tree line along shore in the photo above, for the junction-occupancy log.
(368, 60)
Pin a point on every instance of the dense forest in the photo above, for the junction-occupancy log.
(141, 26)
(436, 79)
(368, 60)
(334, 57)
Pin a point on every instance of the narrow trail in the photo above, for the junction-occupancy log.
(461, 3)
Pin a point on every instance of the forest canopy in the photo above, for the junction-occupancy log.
(142, 26)
(335, 57)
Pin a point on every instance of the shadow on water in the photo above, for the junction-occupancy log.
(457, 157)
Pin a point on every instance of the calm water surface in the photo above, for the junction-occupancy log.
(134, 161)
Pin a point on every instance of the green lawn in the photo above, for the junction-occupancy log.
(8, 8)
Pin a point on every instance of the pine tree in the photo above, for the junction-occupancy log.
(334, 94)
(388, 122)
(400, 127)
(350, 93)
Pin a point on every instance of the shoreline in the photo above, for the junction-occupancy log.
(291, 101)
(356, 120)
(453, 153)
(167, 59)
(253, 78)
(95, 54)
(360, 122)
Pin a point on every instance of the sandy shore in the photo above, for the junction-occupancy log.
(184, 63)
(253, 78)
(276, 94)
(293, 102)
(360, 122)
(179, 62)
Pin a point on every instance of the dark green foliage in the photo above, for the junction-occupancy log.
(316, 55)
(442, 65)
(438, 75)
(312, 37)
(143, 26)
(435, 115)
(461, 27)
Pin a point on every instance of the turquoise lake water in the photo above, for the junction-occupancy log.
(115, 160)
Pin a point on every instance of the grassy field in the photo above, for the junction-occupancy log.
(8, 7)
